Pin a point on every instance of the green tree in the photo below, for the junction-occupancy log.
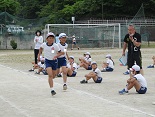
(10, 6)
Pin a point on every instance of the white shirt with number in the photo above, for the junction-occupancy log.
(50, 51)
(38, 40)
(63, 48)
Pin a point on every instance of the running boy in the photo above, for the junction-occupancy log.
(95, 74)
(74, 42)
(71, 67)
(51, 53)
(62, 59)
(137, 81)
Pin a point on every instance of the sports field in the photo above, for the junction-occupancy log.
(26, 94)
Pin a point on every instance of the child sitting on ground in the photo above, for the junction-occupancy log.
(136, 80)
(95, 74)
(86, 61)
(41, 66)
(152, 66)
(108, 66)
(71, 67)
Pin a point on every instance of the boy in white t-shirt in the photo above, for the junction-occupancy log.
(71, 67)
(95, 74)
(108, 66)
(51, 53)
(74, 42)
(62, 63)
(136, 80)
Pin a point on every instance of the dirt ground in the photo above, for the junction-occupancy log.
(26, 94)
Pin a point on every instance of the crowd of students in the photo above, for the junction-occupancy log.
(54, 61)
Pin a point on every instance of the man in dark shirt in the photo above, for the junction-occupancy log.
(132, 40)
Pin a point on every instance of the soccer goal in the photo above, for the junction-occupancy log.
(89, 35)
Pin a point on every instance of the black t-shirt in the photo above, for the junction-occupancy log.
(131, 46)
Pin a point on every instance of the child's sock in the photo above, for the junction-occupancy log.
(126, 89)
(52, 89)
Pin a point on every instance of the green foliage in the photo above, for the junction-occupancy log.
(65, 9)
(10, 6)
(13, 44)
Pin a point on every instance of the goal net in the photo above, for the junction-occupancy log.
(89, 35)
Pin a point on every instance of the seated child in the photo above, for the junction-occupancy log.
(71, 67)
(85, 62)
(152, 66)
(95, 74)
(35, 66)
(108, 66)
(136, 80)
(41, 66)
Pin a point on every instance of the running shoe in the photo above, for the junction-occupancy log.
(126, 73)
(64, 87)
(83, 81)
(53, 92)
(123, 92)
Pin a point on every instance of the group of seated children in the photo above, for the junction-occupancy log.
(136, 79)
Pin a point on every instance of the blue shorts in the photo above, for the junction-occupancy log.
(61, 62)
(51, 63)
(89, 68)
(99, 80)
(142, 90)
(109, 69)
(74, 43)
(73, 74)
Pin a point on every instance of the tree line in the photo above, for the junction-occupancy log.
(80, 9)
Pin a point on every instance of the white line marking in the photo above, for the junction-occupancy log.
(14, 106)
(89, 94)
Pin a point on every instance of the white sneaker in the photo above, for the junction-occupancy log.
(64, 87)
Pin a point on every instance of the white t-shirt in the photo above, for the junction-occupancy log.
(50, 51)
(74, 66)
(63, 48)
(88, 59)
(74, 40)
(98, 72)
(38, 40)
(110, 63)
(141, 80)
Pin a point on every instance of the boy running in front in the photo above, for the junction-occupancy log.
(51, 53)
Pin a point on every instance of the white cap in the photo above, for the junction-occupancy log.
(108, 56)
(62, 35)
(87, 53)
(136, 67)
(50, 34)
(71, 57)
(94, 62)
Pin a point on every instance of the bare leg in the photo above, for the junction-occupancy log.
(134, 84)
(50, 76)
(64, 71)
(69, 71)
